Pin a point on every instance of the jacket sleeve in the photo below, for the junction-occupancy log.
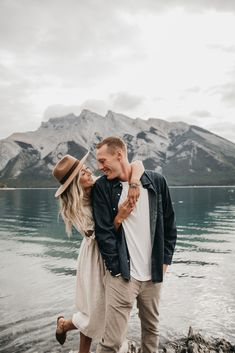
(105, 232)
(170, 231)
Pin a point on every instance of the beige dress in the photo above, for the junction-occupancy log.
(90, 296)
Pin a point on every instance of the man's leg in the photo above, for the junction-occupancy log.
(148, 305)
(119, 296)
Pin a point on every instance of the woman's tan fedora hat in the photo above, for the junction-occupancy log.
(66, 169)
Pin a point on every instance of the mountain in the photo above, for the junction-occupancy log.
(185, 154)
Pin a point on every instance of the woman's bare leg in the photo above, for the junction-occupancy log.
(85, 343)
(65, 325)
(68, 325)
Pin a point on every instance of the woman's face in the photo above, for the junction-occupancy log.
(86, 178)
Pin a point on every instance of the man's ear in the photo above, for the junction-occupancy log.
(119, 155)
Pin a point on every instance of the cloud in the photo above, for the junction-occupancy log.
(58, 110)
(201, 113)
(105, 55)
(226, 92)
(122, 102)
(72, 40)
(225, 48)
(194, 89)
(191, 5)
(125, 101)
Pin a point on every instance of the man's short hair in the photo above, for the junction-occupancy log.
(113, 143)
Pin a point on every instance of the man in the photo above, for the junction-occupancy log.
(137, 253)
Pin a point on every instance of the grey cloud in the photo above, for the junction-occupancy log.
(58, 110)
(119, 101)
(76, 42)
(125, 101)
(72, 26)
(73, 40)
(17, 111)
(226, 92)
(226, 48)
(176, 118)
(194, 89)
(65, 39)
(59, 27)
(201, 113)
(190, 5)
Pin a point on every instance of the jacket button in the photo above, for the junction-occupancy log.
(114, 208)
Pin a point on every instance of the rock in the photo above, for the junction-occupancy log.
(196, 343)
(193, 347)
(190, 332)
(193, 343)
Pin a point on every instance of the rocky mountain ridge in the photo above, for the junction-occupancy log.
(185, 154)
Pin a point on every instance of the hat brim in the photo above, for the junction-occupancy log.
(63, 187)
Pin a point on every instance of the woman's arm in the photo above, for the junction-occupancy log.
(137, 170)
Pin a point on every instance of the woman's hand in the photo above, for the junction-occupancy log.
(123, 212)
(124, 209)
(89, 233)
(133, 193)
(137, 170)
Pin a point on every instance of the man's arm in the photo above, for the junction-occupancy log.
(170, 231)
(105, 233)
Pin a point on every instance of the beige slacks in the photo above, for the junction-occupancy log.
(120, 296)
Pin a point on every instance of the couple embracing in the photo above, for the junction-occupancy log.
(127, 221)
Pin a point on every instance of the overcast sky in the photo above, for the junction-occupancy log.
(169, 59)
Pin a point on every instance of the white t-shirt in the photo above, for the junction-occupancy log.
(138, 237)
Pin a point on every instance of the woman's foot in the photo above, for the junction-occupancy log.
(60, 333)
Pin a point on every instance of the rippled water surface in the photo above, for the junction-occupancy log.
(38, 268)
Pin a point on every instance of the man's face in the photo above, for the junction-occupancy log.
(109, 163)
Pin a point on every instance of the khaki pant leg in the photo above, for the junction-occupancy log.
(148, 305)
(119, 296)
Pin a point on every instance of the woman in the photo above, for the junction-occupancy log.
(75, 207)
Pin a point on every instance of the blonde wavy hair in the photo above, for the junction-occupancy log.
(75, 208)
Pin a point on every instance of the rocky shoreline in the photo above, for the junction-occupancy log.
(193, 343)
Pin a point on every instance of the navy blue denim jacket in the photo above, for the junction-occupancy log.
(112, 243)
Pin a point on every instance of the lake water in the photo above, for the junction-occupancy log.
(38, 268)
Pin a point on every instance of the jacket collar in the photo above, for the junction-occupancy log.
(145, 180)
